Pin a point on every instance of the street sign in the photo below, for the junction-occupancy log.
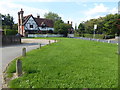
(95, 26)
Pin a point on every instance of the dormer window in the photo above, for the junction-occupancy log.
(31, 26)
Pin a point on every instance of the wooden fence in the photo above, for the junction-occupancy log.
(7, 40)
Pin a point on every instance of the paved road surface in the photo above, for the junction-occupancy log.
(11, 52)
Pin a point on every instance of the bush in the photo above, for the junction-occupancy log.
(98, 36)
(10, 32)
(109, 36)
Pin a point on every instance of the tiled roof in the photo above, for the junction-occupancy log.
(39, 21)
(26, 18)
(47, 22)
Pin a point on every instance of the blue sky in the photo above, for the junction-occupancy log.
(72, 11)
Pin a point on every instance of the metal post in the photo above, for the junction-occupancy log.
(94, 34)
(119, 45)
(95, 27)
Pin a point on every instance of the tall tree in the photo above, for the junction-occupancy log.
(61, 27)
(52, 16)
(7, 21)
(81, 29)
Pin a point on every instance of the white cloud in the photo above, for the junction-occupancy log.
(113, 11)
(85, 5)
(97, 9)
(12, 9)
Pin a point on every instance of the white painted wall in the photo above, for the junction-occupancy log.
(45, 35)
(31, 22)
(70, 35)
(35, 26)
(45, 29)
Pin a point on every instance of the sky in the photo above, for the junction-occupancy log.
(70, 10)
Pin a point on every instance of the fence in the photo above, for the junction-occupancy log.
(45, 35)
(7, 40)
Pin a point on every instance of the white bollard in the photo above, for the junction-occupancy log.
(97, 40)
(108, 41)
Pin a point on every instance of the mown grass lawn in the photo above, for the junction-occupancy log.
(69, 63)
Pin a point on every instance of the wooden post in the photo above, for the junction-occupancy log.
(40, 45)
(18, 67)
(49, 41)
(55, 41)
(24, 52)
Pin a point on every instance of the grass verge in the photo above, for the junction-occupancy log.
(70, 63)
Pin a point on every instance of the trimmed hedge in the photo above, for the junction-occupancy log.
(10, 32)
(98, 36)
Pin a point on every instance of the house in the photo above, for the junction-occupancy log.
(32, 25)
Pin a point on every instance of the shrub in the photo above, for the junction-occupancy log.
(10, 32)
(99, 36)
(109, 36)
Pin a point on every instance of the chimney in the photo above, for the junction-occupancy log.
(68, 22)
(71, 22)
(21, 16)
(18, 22)
(38, 16)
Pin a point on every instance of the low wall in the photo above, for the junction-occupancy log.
(7, 40)
(70, 35)
(45, 35)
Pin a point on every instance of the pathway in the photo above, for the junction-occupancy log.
(13, 51)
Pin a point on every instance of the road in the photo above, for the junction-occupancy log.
(13, 51)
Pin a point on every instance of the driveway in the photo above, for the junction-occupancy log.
(13, 51)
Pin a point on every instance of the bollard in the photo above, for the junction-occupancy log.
(18, 67)
(97, 40)
(108, 41)
(24, 52)
(55, 41)
(49, 41)
(40, 45)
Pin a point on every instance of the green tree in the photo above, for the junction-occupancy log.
(61, 27)
(81, 29)
(107, 25)
(15, 27)
(52, 16)
(7, 21)
(57, 25)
